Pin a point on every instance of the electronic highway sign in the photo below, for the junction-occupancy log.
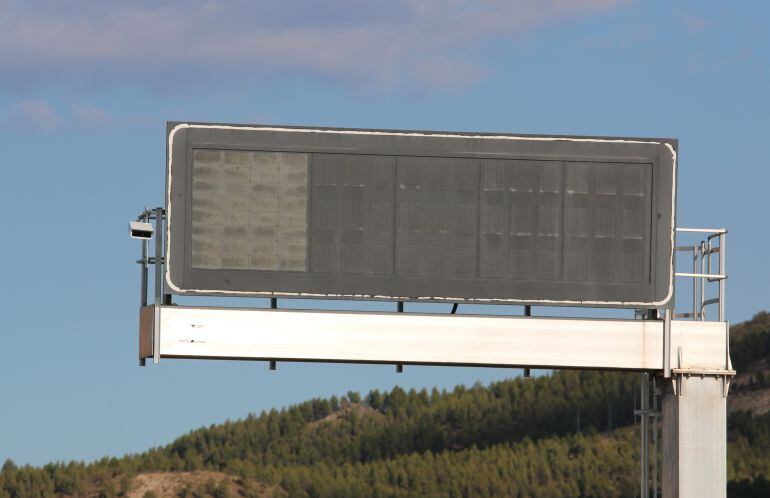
(420, 215)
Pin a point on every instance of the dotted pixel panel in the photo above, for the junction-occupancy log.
(459, 218)
(249, 210)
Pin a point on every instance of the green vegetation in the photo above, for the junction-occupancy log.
(569, 434)
(750, 345)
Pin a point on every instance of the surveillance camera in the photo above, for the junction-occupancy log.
(140, 230)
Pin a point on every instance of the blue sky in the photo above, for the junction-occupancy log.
(87, 86)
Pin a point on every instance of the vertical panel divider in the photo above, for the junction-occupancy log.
(562, 216)
(396, 187)
(309, 215)
(479, 189)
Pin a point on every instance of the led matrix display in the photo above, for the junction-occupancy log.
(341, 213)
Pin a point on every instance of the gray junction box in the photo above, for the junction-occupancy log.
(416, 215)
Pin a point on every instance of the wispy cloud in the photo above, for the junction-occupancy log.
(30, 114)
(394, 42)
(692, 23)
(90, 115)
(40, 114)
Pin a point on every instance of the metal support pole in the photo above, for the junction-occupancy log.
(655, 415)
(143, 298)
(273, 303)
(143, 294)
(667, 344)
(644, 408)
(694, 282)
(722, 271)
(703, 256)
(158, 283)
(527, 312)
(694, 425)
(400, 307)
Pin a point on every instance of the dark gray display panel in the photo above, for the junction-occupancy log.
(258, 210)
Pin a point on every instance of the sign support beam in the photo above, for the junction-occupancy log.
(429, 339)
(694, 427)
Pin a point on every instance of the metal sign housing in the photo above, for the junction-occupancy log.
(416, 215)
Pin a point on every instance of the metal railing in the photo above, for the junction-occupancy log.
(703, 271)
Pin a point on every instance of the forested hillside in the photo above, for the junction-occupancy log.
(750, 351)
(569, 434)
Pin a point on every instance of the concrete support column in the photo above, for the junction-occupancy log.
(694, 427)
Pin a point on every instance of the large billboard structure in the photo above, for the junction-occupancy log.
(416, 215)
(275, 211)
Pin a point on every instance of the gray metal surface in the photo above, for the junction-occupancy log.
(420, 215)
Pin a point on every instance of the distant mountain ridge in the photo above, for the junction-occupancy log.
(564, 435)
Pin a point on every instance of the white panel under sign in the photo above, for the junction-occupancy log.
(434, 339)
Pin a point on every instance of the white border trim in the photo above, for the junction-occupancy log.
(412, 134)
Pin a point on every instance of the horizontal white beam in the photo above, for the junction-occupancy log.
(703, 230)
(236, 333)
